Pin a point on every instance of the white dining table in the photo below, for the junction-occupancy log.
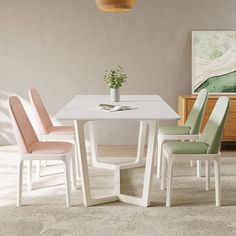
(149, 110)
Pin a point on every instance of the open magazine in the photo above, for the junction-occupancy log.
(112, 108)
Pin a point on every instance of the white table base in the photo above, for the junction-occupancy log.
(139, 161)
(88, 199)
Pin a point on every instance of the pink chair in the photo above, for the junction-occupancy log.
(30, 148)
(47, 131)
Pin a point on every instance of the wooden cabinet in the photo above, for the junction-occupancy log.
(185, 104)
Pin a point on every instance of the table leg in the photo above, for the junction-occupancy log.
(141, 142)
(94, 147)
(93, 142)
(148, 175)
(117, 180)
(83, 165)
(151, 154)
(139, 161)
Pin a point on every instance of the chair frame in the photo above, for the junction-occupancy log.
(168, 163)
(52, 137)
(25, 137)
(211, 135)
(63, 138)
(66, 158)
(162, 139)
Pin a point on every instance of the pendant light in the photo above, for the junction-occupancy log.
(115, 5)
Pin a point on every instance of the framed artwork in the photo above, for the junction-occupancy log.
(214, 61)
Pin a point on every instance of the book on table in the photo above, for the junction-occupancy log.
(112, 108)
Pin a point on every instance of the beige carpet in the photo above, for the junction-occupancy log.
(44, 211)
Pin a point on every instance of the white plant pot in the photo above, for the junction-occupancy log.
(115, 95)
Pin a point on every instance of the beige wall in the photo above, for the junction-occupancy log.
(62, 47)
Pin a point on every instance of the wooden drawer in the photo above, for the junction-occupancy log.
(230, 127)
(209, 107)
(186, 104)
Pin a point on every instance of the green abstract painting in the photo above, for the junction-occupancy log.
(214, 61)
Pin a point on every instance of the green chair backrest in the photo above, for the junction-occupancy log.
(195, 116)
(214, 128)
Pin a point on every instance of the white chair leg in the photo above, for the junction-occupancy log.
(19, 183)
(156, 154)
(38, 168)
(217, 182)
(169, 183)
(67, 182)
(45, 163)
(208, 174)
(159, 157)
(73, 171)
(29, 175)
(163, 173)
(192, 163)
(76, 162)
(199, 169)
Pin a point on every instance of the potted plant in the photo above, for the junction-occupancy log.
(115, 79)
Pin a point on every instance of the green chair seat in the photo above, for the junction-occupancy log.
(187, 147)
(174, 130)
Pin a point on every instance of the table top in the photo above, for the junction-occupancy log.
(145, 107)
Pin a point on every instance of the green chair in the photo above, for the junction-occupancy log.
(207, 148)
(190, 130)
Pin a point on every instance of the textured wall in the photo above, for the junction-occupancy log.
(62, 47)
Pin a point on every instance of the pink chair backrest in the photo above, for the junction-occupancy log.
(25, 134)
(44, 121)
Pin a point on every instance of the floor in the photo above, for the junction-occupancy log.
(44, 211)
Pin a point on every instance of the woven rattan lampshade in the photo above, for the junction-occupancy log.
(115, 5)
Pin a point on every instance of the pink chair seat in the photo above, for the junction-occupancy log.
(50, 147)
(61, 130)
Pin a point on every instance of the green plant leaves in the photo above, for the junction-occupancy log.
(115, 78)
